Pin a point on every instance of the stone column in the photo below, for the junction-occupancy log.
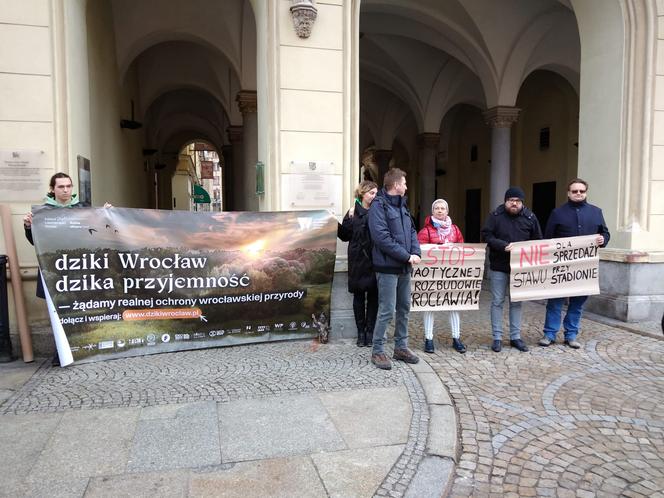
(382, 158)
(235, 167)
(500, 119)
(226, 186)
(246, 100)
(427, 144)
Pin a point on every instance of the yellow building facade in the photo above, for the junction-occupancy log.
(467, 96)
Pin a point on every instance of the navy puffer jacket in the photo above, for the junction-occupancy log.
(393, 234)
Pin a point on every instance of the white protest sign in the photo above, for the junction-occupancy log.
(449, 277)
(543, 269)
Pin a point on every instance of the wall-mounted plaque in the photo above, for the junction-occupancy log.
(23, 175)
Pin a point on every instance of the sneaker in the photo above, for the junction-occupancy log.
(573, 343)
(497, 345)
(458, 345)
(519, 344)
(405, 355)
(545, 341)
(428, 346)
(381, 361)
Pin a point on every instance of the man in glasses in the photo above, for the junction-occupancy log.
(575, 217)
(510, 222)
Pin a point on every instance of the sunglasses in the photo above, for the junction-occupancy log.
(578, 191)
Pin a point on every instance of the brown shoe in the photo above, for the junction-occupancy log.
(405, 355)
(381, 361)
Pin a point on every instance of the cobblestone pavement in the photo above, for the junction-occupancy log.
(224, 375)
(550, 422)
(555, 421)
(220, 374)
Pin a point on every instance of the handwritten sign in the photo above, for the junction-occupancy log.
(542, 269)
(449, 277)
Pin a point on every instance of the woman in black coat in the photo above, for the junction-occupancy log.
(361, 277)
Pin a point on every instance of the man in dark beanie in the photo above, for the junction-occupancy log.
(510, 222)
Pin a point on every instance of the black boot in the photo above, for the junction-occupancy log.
(368, 336)
(458, 345)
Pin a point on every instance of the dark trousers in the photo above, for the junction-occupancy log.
(365, 308)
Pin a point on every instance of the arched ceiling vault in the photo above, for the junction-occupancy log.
(438, 54)
(191, 112)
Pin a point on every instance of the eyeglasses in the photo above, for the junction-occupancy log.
(578, 191)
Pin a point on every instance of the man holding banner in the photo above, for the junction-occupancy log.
(574, 218)
(395, 249)
(510, 222)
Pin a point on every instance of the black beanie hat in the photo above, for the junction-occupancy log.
(515, 192)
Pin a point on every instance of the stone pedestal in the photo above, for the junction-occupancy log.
(629, 291)
(342, 320)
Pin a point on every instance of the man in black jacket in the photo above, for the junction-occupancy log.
(510, 222)
(395, 249)
(575, 217)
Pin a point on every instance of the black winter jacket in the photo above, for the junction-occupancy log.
(501, 229)
(393, 234)
(355, 230)
(28, 235)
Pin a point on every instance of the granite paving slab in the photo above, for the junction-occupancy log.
(279, 426)
(88, 443)
(357, 472)
(278, 478)
(370, 417)
(188, 437)
(166, 484)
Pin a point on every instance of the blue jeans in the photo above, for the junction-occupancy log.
(393, 296)
(554, 308)
(500, 284)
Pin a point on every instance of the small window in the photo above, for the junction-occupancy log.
(473, 153)
(544, 138)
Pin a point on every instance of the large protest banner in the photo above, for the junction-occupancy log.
(449, 277)
(542, 269)
(127, 282)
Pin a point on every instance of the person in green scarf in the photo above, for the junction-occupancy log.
(60, 195)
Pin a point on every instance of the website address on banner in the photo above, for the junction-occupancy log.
(162, 314)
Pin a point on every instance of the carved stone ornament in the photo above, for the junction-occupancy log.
(501, 116)
(304, 13)
(246, 101)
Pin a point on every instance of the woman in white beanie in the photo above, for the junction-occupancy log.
(439, 229)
